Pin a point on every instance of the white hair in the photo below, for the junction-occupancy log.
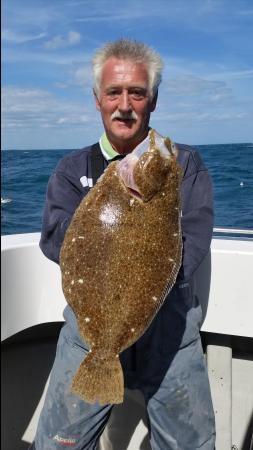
(129, 50)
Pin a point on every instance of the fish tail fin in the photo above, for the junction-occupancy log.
(99, 380)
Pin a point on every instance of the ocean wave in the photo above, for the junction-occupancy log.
(25, 178)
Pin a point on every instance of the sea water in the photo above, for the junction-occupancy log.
(25, 175)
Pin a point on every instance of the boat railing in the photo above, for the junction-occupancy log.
(224, 233)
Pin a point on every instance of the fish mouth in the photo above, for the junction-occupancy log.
(134, 193)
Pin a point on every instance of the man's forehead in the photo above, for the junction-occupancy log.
(117, 70)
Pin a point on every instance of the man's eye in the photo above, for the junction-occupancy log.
(138, 93)
(113, 93)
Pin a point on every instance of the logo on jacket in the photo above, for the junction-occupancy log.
(86, 182)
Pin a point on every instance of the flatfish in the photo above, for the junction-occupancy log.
(119, 260)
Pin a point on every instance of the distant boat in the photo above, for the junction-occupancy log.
(5, 200)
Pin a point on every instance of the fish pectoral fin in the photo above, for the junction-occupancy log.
(99, 380)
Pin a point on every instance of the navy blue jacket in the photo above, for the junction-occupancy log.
(65, 191)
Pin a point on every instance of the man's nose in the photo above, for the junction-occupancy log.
(124, 102)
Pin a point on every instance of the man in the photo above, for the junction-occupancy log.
(167, 362)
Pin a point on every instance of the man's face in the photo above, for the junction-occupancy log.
(124, 102)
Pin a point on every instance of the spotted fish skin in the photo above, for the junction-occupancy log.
(120, 258)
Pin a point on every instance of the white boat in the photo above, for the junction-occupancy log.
(32, 305)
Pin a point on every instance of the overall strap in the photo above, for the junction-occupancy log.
(97, 162)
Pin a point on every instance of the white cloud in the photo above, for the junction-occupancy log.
(233, 74)
(44, 57)
(30, 15)
(29, 108)
(189, 99)
(60, 41)
(187, 84)
(60, 85)
(19, 38)
(194, 117)
(206, 52)
(73, 119)
(208, 16)
(83, 76)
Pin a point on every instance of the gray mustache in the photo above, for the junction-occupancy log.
(127, 116)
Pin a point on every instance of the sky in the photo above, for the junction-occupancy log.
(206, 95)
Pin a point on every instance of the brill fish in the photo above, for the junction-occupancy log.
(119, 260)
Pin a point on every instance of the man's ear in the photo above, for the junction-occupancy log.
(96, 100)
(153, 102)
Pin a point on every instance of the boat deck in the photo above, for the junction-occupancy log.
(26, 363)
(30, 329)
